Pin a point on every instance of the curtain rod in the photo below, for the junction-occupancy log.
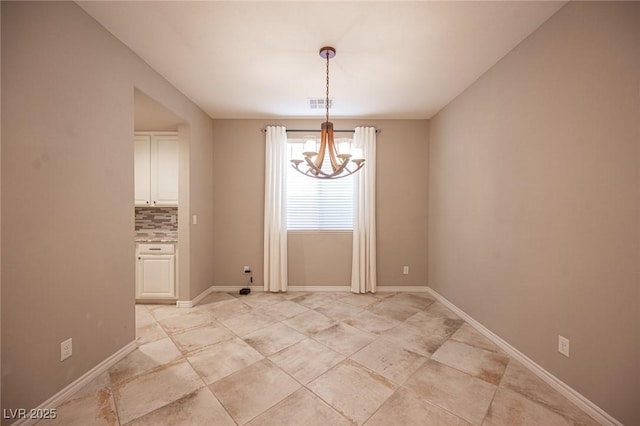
(317, 131)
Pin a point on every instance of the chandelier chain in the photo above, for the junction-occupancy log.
(327, 98)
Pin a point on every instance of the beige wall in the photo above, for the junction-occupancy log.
(320, 259)
(67, 194)
(534, 201)
(0, 203)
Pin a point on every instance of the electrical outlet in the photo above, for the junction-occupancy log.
(246, 269)
(563, 346)
(66, 349)
(405, 270)
(194, 219)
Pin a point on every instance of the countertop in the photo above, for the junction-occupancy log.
(156, 236)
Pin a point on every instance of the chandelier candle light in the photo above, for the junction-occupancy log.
(342, 162)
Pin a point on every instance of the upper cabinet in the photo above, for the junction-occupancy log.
(156, 169)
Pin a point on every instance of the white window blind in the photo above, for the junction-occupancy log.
(317, 204)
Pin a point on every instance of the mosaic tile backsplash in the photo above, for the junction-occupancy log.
(160, 218)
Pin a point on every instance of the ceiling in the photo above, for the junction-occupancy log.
(260, 59)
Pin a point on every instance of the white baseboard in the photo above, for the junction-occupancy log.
(235, 288)
(318, 288)
(294, 288)
(196, 300)
(403, 288)
(66, 393)
(565, 390)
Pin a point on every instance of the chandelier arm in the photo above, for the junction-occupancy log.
(323, 148)
(325, 175)
(335, 164)
(315, 170)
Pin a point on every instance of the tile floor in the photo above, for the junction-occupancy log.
(315, 359)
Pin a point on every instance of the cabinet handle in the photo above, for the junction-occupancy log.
(155, 248)
(147, 202)
(139, 258)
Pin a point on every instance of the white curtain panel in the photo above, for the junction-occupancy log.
(363, 268)
(275, 210)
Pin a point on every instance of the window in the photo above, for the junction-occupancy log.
(317, 204)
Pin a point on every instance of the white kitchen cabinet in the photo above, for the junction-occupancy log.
(142, 170)
(156, 271)
(156, 169)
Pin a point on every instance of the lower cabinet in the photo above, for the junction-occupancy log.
(155, 271)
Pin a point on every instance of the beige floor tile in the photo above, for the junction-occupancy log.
(143, 316)
(338, 311)
(486, 365)
(156, 389)
(149, 333)
(309, 322)
(412, 339)
(197, 408)
(293, 294)
(437, 309)
(283, 310)
(469, 335)
(101, 382)
(433, 325)
(361, 300)
(228, 309)
(411, 300)
(352, 390)
(370, 322)
(260, 299)
(145, 358)
(301, 408)
(215, 297)
(160, 312)
(96, 409)
(343, 338)
(523, 381)
(185, 321)
(306, 360)
(273, 338)
(423, 294)
(404, 408)
(315, 300)
(388, 343)
(383, 294)
(200, 337)
(222, 359)
(248, 323)
(396, 364)
(511, 408)
(453, 390)
(251, 391)
(388, 308)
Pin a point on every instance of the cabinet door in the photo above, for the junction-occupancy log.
(164, 169)
(142, 164)
(155, 276)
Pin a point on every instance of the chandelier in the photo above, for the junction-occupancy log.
(343, 163)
